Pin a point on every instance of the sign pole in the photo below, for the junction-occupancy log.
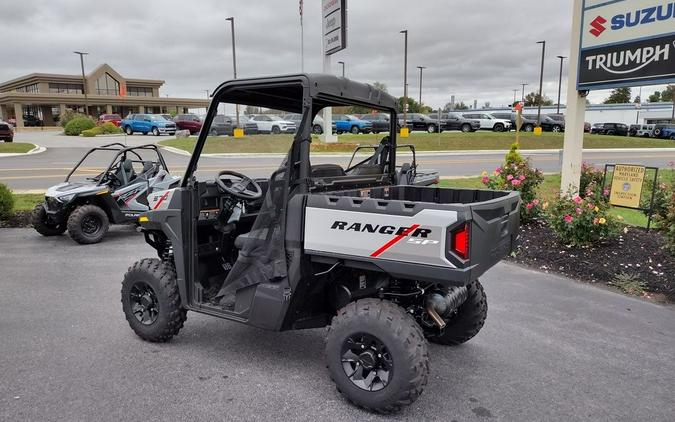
(576, 110)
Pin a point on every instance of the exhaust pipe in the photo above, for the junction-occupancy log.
(440, 304)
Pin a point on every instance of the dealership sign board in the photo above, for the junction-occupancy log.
(626, 43)
(334, 28)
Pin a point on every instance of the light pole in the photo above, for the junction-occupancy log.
(207, 93)
(343, 68)
(234, 61)
(541, 81)
(421, 68)
(405, 78)
(560, 82)
(523, 93)
(84, 82)
(515, 91)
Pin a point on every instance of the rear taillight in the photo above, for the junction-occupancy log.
(459, 241)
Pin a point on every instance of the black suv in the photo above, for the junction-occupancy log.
(527, 126)
(548, 123)
(619, 129)
(6, 132)
(455, 121)
(419, 121)
(380, 121)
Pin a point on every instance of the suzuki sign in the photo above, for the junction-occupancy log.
(626, 43)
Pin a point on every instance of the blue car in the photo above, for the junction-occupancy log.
(664, 132)
(148, 123)
(348, 123)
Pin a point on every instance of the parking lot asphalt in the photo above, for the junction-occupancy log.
(552, 350)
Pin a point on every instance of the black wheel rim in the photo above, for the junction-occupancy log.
(91, 224)
(367, 362)
(144, 303)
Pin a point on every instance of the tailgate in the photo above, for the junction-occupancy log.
(494, 231)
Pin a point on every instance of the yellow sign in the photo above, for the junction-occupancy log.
(238, 133)
(627, 185)
(537, 131)
(404, 132)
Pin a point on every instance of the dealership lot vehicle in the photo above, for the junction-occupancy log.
(190, 122)
(30, 120)
(420, 122)
(643, 131)
(488, 121)
(664, 131)
(455, 121)
(386, 266)
(549, 124)
(619, 129)
(349, 123)
(148, 123)
(112, 118)
(380, 122)
(117, 195)
(317, 123)
(270, 123)
(6, 132)
(527, 124)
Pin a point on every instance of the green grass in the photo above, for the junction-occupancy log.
(446, 141)
(550, 189)
(15, 147)
(27, 201)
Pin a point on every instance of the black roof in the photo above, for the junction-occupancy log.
(286, 92)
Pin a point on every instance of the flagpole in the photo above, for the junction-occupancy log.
(302, 41)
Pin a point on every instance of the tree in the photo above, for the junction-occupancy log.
(668, 94)
(251, 110)
(379, 85)
(413, 106)
(532, 99)
(618, 96)
(637, 99)
(461, 106)
(655, 97)
(486, 104)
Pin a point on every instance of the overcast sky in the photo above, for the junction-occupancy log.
(474, 49)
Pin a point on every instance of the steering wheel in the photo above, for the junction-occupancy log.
(239, 187)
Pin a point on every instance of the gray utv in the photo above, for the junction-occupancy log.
(117, 195)
(384, 265)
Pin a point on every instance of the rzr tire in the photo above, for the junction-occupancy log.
(88, 224)
(468, 320)
(404, 341)
(39, 217)
(160, 277)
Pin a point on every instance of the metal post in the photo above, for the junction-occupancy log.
(514, 97)
(421, 68)
(207, 93)
(638, 106)
(343, 68)
(84, 81)
(560, 82)
(405, 78)
(234, 62)
(523, 94)
(541, 81)
(576, 109)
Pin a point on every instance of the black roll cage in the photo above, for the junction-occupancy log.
(306, 94)
(121, 150)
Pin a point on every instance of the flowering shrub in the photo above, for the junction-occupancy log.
(590, 183)
(581, 221)
(518, 174)
(668, 224)
(665, 188)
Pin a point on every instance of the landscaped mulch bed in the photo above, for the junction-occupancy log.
(636, 252)
(19, 219)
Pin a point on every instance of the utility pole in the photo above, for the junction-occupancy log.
(514, 96)
(541, 81)
(343, 68)
(207, 93)
(84, 81)
(638, 106)
(234, 62)
(405, 79)
(560, 81)
(523, 93)
(421, 68)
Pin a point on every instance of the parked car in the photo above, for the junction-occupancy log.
(455, 121)
(380, 122)
(6, 132)
(419, 122)
(488, 121)
(587, 127)
(350, 123)
(190, 122)
(30, 120)
(270, 123)
(250, 127)
(148, 123)
(664, 131)
(317, 123)
(619, 129)
(112, 118)
(548, 124)
(527, 125)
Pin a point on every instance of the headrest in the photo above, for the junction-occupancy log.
(128, 165)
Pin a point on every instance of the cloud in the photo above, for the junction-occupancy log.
(474, 49)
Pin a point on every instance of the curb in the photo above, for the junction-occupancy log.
(37, 150)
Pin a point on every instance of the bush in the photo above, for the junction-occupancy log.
(6, 202)
(591, 180)
(665, 188)
(668, 224)
(69, 115)
(581, 221)
(109, 128)
(77, 125)
(90, 133)
(518, 174)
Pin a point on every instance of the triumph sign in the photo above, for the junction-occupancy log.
(626, 43)
(334, 27)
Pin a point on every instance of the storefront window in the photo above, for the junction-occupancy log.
(107, 85)
(60, 88)
(33, 88)
(136, 91)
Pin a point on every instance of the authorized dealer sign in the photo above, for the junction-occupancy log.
(626, 43)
